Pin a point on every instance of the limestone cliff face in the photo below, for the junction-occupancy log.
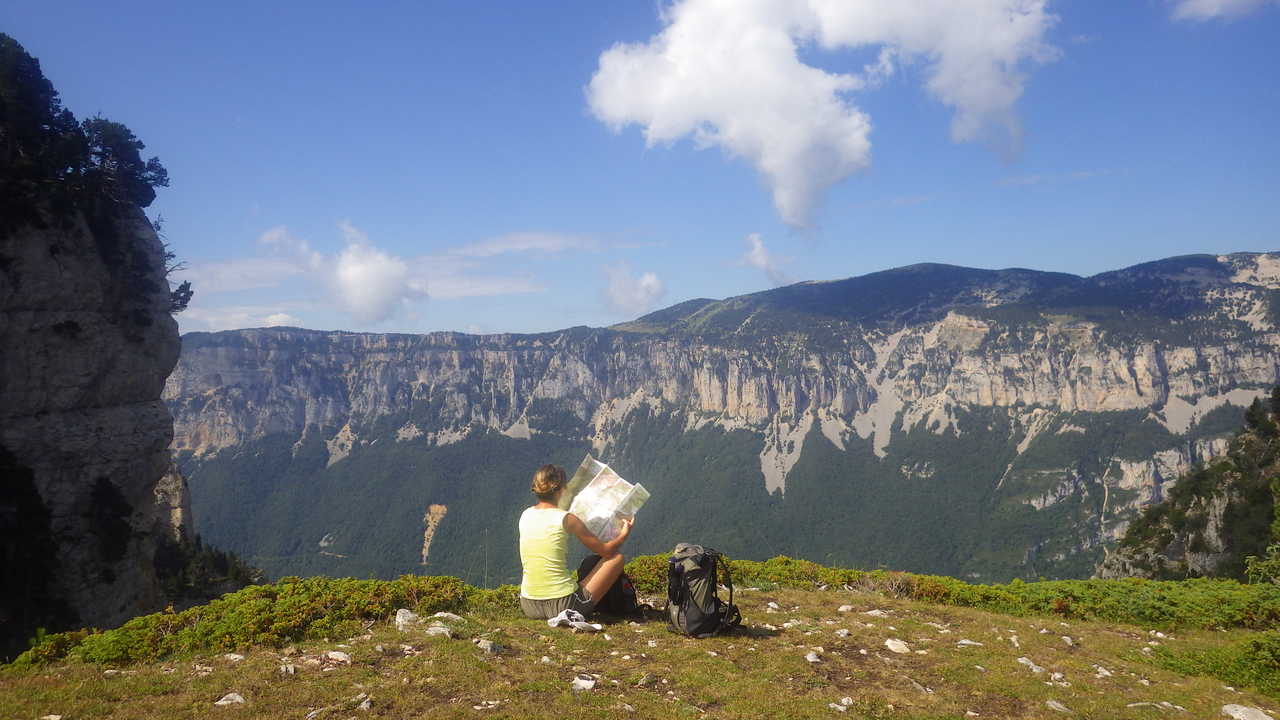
(86, 341)
(1175, 340)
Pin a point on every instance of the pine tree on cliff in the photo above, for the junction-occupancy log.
(45, 153)
(48, 160)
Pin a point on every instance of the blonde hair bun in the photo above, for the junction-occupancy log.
(546, 481)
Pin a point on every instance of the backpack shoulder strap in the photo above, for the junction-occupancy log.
(728, 578)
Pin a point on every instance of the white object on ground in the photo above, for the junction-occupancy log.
(575, 620)
(231, 699)
(1240, 712)
(406, 618)
(897, 646)
(582, 683)
(1034, 667)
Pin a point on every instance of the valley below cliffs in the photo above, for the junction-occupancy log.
(978, 423)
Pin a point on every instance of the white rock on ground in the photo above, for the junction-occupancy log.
(439, 631)
(1240, 712)
(406, 618)
(1057, 706)
(233, 657)
(1028, 662)
(876, 613)
(968, 643)
(448, 616)
(897, 646)
(230, 699)
(812, 657)
(583, 683)
(845, 608)
(338, 656)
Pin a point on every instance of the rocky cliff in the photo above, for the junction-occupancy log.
(1215, 516)
(86, 341)
(1049, 403)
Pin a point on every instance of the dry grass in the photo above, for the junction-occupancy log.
(644, 671)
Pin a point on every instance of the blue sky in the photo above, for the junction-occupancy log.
(522, 167)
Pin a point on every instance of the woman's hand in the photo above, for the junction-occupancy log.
(626, 522)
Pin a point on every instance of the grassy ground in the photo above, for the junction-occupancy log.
(643, 671)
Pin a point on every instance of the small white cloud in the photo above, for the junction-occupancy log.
(279, 319)
(451, 285)
(526, 242)
(632, 294)
(728, 75)
(214, 319)
(1027, 180)
(757, 256)
(371, 283)
(284, 244)
(1203, 10)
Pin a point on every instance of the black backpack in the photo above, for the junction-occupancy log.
(693, 607)
(620, 600)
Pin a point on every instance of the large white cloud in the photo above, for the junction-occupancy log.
(728, 74)
(632, 293)
(1210, 9)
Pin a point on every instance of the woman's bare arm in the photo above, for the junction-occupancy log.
(605, 550)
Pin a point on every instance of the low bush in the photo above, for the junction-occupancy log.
(291, 609)
(1198, 602)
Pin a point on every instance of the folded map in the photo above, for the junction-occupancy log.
(600, 498)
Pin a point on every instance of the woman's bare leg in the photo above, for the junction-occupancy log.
(602, 576)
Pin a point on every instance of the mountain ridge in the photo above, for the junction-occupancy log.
(1010, 434)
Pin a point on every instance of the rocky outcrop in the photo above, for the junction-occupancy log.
(1214, 517)
(86, 342)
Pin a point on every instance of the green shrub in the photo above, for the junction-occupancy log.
(1251, 662)
(1198, 602)
(1264, 569)
(291, 609)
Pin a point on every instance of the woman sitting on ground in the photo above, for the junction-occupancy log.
(547, 587)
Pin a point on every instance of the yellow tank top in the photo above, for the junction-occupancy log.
(543, 544)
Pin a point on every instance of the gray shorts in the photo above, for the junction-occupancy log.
(547, 609)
